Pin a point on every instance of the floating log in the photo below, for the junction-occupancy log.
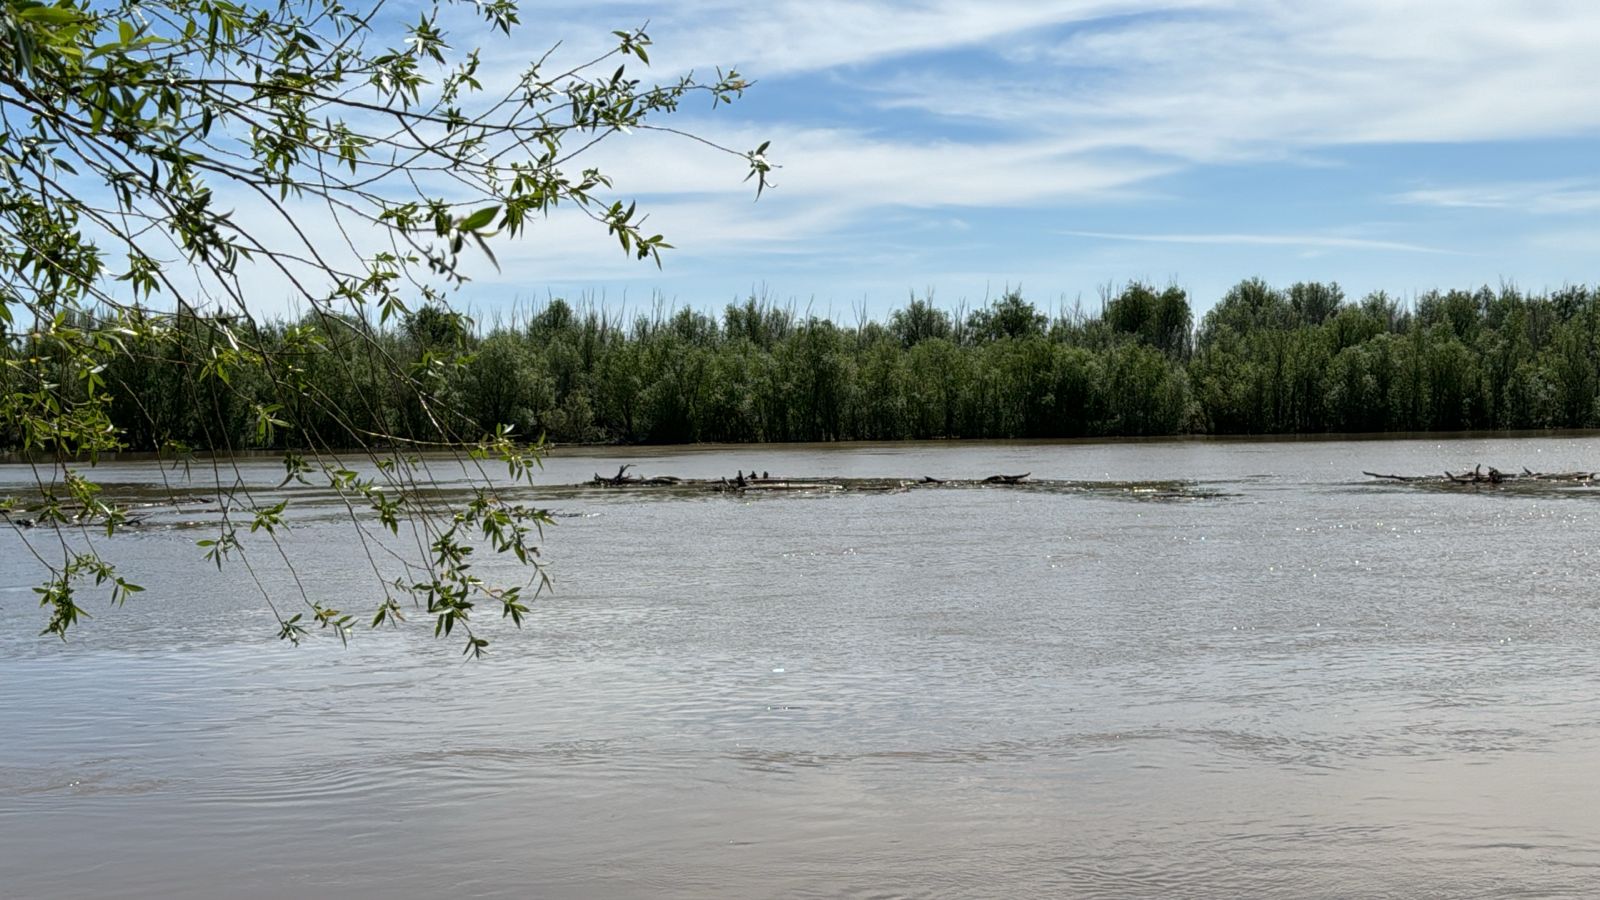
(749, 485)
(1406, 479)
(620, 478)
(750, 481)
(1480, 475)
(1558, 476)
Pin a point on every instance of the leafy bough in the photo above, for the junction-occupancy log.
(374, 157)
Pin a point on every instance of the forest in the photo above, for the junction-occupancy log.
(1263, 360)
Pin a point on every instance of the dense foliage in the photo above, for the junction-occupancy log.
(164, 163)
(1262, 361)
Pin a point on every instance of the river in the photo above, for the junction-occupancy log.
(1276, 679)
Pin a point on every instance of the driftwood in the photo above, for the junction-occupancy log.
(1558, 476)
(39, 513)
(128, 520)
(1401, 478)
(765, 481)
(618, 479)
(1479, 475)
(623, 479)
(747, 485)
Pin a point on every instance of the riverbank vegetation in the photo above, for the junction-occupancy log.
(1263, 360)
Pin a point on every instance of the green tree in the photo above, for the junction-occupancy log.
(919, 321)
(1251, 305)
(1161, 320)
(1008, 317)
(1313, 302)
(133, 129)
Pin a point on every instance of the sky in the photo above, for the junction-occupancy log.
(959, 149)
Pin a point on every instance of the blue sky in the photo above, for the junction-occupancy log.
(962, 147)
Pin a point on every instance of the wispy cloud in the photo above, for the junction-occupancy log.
(1253, 78)
(1306, 241)
(788, 37)
(1540, 197)
(855, 168)
(1087, 97)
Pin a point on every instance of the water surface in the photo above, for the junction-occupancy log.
(1287, 682)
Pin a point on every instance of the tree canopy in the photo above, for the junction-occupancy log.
(371, 155)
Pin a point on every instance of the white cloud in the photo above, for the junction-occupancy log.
(788, 36)
(1540, 197)
(1077, 100)
(1265, 78)
(1306, 241)
(832, 181)
(846, 167)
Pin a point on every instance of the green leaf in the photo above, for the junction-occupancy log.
(50, 15)
(479, 219)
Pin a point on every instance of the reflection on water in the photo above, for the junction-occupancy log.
(1293, 683)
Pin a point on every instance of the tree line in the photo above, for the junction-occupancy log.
(1263, 360)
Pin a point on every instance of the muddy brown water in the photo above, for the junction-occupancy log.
(1281, 680)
